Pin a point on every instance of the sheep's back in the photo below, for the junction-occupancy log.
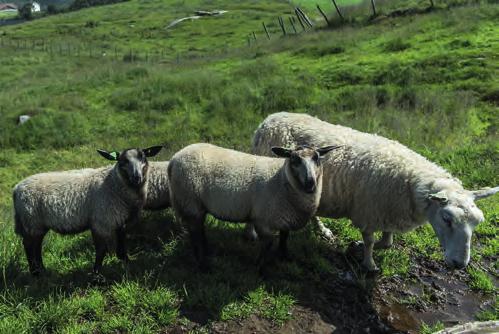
(57, 200)
(226, 182)
(371, 178)
(158, 196)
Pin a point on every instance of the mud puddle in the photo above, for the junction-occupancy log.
(431, 294)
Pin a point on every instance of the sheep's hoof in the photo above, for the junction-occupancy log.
(36, 272)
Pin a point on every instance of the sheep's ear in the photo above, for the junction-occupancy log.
(113, 156)
(152, 151)
(281, 151)
(326, 149)
(484, 193)
(440, 197)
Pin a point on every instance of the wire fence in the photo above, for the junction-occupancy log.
(286, 25)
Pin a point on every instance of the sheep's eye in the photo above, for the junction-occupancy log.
(295, 160)
(448, 221)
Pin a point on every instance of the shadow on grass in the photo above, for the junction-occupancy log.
(318, 278)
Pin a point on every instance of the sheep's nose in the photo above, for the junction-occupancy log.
(310, 186)
(136, 179)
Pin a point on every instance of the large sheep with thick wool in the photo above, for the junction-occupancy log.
(103, 200)
(158, 194)
(381, 185)
(271, 193)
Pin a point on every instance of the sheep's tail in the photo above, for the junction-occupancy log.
(18, 227)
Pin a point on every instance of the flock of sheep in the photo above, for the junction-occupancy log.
(321, 169)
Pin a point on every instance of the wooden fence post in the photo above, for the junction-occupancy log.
(374, 7)
(297, 13)
(324, 15)
(305, 17)
(266, 30)
(291, 21)
(338, 10)
(281, 23)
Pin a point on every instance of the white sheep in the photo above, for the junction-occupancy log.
(102, 200)
(158, 195)
(381, 185)
(271, 193)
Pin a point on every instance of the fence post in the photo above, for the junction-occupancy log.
(324, 15)
(291, 21)
(374, 7)
(297, 13)
(281, 23)
(338, 10)
(305, 17)
(266, 30)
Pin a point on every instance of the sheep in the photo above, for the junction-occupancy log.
(158, 195)
(381, 185)
(103, 200)
(273, 194)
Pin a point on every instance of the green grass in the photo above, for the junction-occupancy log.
(480, 281)
(428, 329)
(429, 81)
(7, 15)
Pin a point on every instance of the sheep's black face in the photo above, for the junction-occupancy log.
(133, 166)
(304, 166)
(132, 163)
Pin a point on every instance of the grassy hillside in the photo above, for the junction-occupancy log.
(429, 81)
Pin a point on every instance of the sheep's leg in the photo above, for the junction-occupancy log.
(28, 249)
(100, 244)
(368, 261)
(198, 239)
(266, 242)
(323, 230)
(265, 257)
(121, 251)
(37, 251)
(33, 248)
(385, 242)
(283, 245)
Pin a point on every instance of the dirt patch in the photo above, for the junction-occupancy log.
(429, 294)
(304, 321)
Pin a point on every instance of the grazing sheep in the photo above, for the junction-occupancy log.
(102, 200)
(273, 194)
(158, 195)
(381, 185)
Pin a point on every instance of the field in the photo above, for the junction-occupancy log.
(7, 15)
(428, 80)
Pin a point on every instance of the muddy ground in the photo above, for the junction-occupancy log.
(356, 302)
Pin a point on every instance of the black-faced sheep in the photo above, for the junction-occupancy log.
(102, 200)
(272, 194)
